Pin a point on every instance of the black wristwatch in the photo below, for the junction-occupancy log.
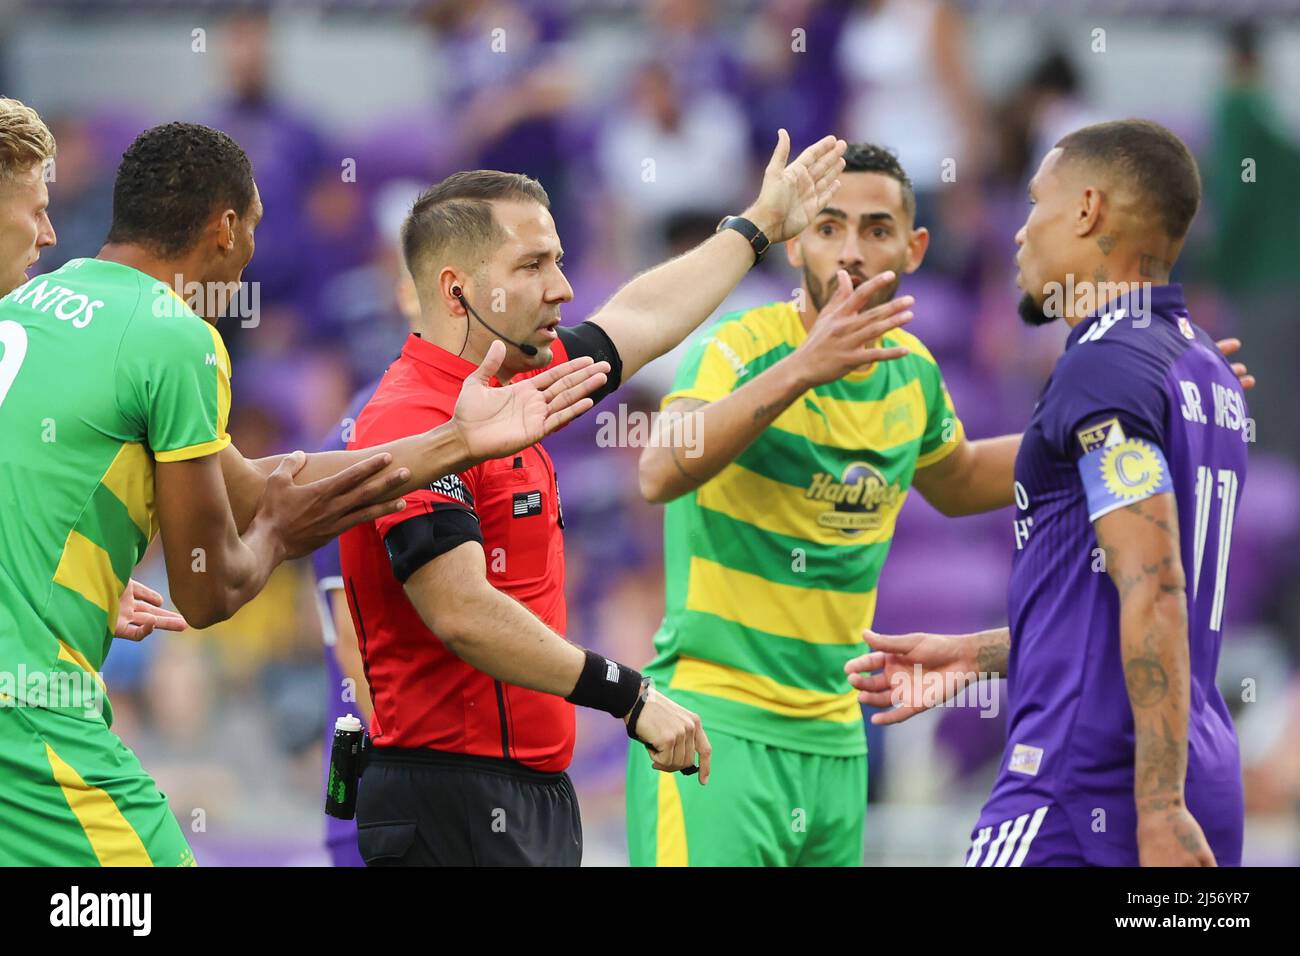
(756, 238)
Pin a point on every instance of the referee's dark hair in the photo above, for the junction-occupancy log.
(456, 215)
(870, 158)
(171, 180)
(1150, 159)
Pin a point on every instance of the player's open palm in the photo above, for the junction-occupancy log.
(888, 675)
(792, 194)
(845, 338)
(495, 421)
(1172, 837)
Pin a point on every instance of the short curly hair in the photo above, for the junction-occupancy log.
(25, 140)
(870, 158)
(172, 178)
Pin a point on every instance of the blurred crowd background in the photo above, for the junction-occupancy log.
(348, 109)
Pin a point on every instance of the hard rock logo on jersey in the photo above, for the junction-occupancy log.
(1132, 469)
(862, 498)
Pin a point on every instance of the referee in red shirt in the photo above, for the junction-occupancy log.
(458, 599)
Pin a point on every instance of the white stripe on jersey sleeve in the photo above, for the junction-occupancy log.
(973, 857)
(1032, 832)
(1009, 847)
(997, 844)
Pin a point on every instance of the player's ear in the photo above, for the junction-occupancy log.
(1089, 211)
(917, 244)
(226, 230)
(793, 254)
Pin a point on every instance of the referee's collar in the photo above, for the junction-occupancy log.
(418, 349)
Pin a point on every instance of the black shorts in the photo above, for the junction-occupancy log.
(427, 808)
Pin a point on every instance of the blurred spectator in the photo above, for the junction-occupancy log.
(1252, 182)
(510, 85)
(792, 78)
(287, 156)
(688, 39)
(910, 90)
(669, 154)
(358, 308)
(80, 193)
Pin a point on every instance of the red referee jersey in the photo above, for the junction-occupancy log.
(424, 695)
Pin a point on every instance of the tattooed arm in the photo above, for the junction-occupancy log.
(842, 339)
(1140, 543)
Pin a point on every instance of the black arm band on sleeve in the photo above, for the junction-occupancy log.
(606, 685)
(417, 541)
(588, 338)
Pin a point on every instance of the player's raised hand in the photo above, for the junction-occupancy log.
(497, 421)
(886, 677)
(673, 735)
(793, 193)
(1170, 836)
(1229, 348)
(140, 611)
(845, 335)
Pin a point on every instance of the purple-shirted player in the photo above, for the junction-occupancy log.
(1120, 748)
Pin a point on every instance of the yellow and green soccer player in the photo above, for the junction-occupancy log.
(114, 396)
(811, 433)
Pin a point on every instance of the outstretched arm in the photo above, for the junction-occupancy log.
(488, 423)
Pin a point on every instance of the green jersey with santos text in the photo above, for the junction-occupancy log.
(103, 371)
(771, 566)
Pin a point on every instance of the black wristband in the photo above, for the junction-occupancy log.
(606, 685)
(756, 238)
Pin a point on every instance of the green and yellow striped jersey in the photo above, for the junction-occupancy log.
(103, 371)
(771, 566)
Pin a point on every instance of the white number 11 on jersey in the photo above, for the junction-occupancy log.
(1227, 495)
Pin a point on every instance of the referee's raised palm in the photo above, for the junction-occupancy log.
(495, 421)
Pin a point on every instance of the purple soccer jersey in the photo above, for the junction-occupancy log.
(1140, 403)
(340, 835)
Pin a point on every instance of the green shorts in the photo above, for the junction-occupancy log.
(764, 806)
(72, 794)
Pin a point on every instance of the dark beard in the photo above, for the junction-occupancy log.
(1031, 313)
(820, 292)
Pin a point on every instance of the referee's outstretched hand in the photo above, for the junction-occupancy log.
(673, 735)
(497, 421)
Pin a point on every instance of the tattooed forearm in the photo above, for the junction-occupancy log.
(992, 650)
(1141, 545)
(1161, 765)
